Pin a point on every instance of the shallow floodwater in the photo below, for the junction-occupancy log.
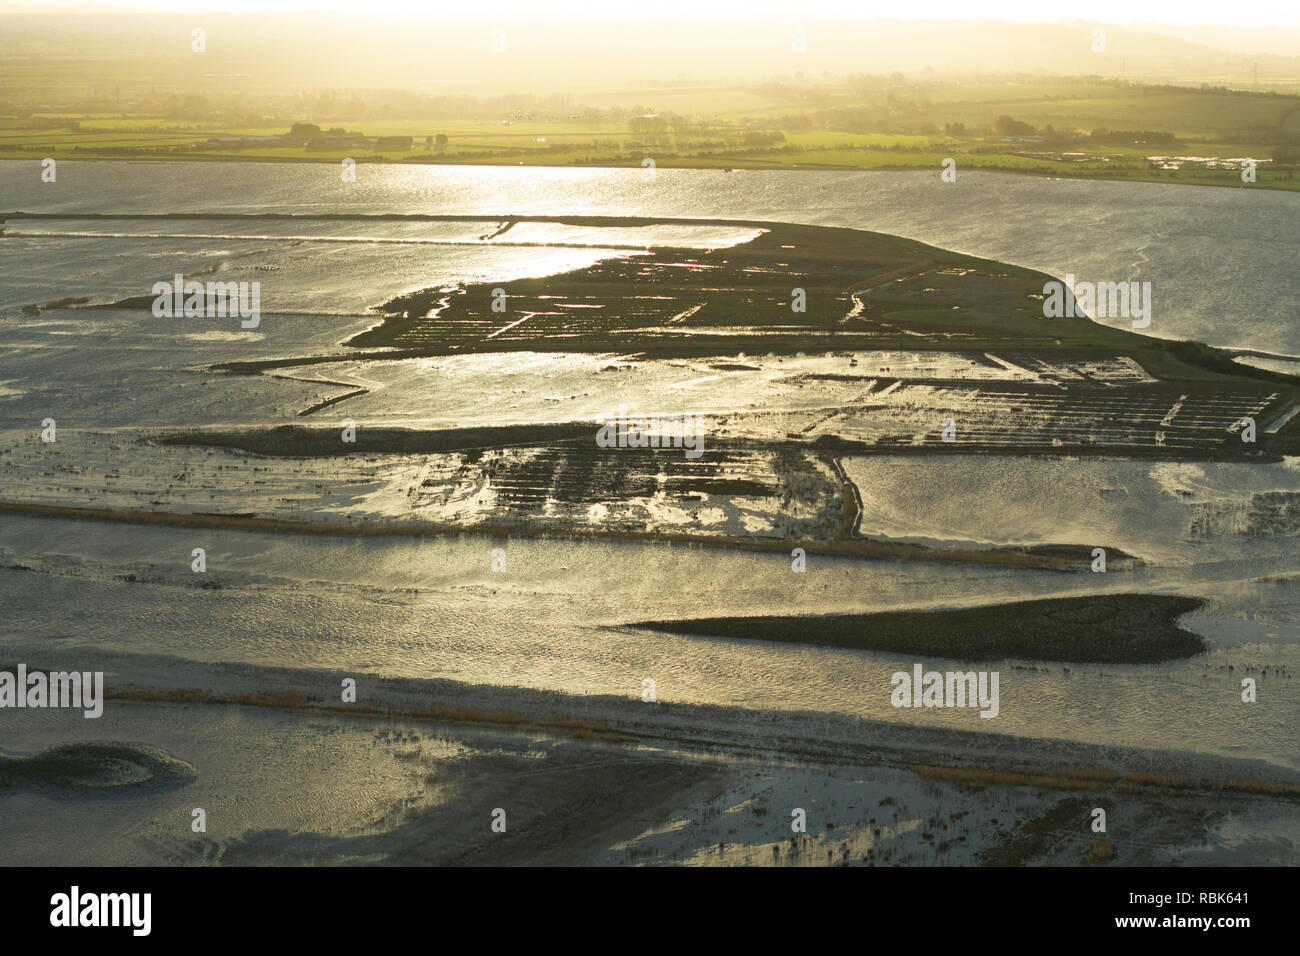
(557, 619)
(1221, 261)
(1169, 513)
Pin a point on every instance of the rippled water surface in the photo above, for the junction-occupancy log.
(1223, 266)
(1221, 260)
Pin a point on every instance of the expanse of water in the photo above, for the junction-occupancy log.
(1223, 265)
(557, 618)
(1222, 261)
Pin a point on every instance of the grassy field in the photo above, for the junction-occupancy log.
(911, 126)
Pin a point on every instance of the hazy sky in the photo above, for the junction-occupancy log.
(1260, 13)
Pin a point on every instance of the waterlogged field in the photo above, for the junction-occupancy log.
(394, 476)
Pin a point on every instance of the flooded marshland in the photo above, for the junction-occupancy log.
(476, 533)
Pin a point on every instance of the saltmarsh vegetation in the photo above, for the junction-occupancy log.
(863, 290)
(91, 766)
(1106, 628)
(859, 291)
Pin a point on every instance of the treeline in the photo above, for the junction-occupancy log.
(1130, 137)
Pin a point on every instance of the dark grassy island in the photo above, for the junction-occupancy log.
(1109, 628)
